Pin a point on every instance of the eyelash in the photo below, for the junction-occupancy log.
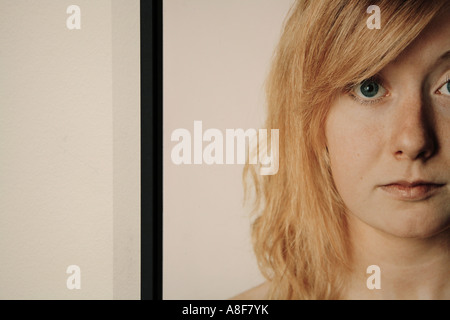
(380, 82)
(376, 79)
(365, 102)
(447, 80)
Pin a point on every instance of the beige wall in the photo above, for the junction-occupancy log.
(127, 144)
(216, 58)
(60, 151)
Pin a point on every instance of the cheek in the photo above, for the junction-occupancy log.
(443, 134)
(354, 148)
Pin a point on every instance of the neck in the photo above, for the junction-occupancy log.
(409, 268)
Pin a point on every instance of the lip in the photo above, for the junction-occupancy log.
(412, 191)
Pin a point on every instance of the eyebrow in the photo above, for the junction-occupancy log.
(445, 56)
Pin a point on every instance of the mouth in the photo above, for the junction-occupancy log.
(412, 191)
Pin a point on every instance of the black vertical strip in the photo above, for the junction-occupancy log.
(151, 149)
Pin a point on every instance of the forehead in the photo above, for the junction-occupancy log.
(431, 46)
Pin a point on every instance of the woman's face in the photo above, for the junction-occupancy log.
(389, 140)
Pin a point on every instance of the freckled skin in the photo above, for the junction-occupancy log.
(404, 136)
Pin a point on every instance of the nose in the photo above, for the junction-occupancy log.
(413, 131)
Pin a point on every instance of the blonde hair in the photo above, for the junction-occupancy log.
(300, 231)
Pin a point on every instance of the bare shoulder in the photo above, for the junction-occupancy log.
(259, 292)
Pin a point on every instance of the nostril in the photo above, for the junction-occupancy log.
(399, 155)
(422, 154)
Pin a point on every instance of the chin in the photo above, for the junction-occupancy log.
(421, 225)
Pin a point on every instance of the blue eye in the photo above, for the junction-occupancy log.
(445, 89)
(369, 89)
